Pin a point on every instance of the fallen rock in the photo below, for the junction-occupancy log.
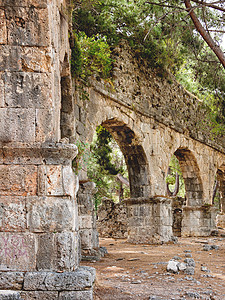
(172, 266)
(190, 262)
(189, 270)
(182, 266)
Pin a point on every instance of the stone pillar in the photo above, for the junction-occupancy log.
(198, 220)
(39, 249)
(87, 222)
(149, 220)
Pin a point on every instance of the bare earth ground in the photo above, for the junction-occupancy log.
(139, 271)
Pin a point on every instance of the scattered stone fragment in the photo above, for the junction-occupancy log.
(136, 282)
(188, 278)
(215, 247)
(182, 266)
(187, 251)
(190, 262)
(210, 247)
(133, 259)
(188, 255)
(103, 251)
(190, 271)
(172, 266)
(204, 269)
(194, 295)
(176, 257)
(215, 232)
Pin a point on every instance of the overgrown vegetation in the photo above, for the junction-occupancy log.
(105, 162)
(162, 33)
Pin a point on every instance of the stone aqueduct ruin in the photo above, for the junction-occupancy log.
(151, 118)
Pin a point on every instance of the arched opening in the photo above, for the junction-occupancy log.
(191, 176)
(218, 198)
(175, 188)
(137, 172)
(134, 155)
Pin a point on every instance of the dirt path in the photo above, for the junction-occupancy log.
(139, 271)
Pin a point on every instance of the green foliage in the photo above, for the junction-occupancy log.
(105, 162)
(102, 151)
(162, 33)
(171, 178)
(90, 56)
(82, 158)
(76, 57)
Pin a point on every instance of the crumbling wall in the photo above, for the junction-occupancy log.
(39, 239)
(87, 222)
(112, 219)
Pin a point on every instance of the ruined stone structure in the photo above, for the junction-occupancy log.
(150, 117)
(112, 219)
(39, 240)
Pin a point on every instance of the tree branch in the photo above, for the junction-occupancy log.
(212, 5)
(216, 49)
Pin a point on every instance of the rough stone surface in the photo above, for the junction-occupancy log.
(112, 219)
(172, 266)
(81, 279)
(17, 251)
(11, 280)
(10, 295)
(78, 295)
(39, 295)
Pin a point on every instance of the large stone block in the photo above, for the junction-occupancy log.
(79, 280)
(69, 181)
(27, 26)
(45, 130)
(86, 238)
(36, 295)
(45, 252)
(78, 295)
(54, 181)
(17, 124)
(48, 214)
(28, 89)
(3, 29)
(57, 252)
(18, 180)
(10, 295)
(11, 280)
(17, 252)
(66, 244)
(12, 213)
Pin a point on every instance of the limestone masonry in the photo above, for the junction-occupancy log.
(46, 225)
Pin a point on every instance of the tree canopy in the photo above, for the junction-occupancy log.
(167, 35)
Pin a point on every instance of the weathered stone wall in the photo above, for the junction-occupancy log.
(153, 118)
(39, 239)
(112, 221)
(87, 222)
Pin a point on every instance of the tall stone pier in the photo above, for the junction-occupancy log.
(39, 242)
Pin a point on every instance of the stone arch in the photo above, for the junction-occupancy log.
(220, 175)
(134, 155)
(191, 175)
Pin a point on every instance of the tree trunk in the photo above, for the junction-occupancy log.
(215, 48)
(176, 189)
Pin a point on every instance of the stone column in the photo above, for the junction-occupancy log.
(87, 222)
(198, 220)
(39, 249)
(149, 220)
